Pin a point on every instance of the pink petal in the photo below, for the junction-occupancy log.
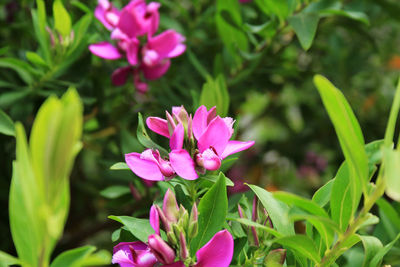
(143, 256)
(216, 136)
(155, 72)
(236, 146)
(154, 219)
(167, 44)
(99, 13)
(200, 122)
(176, 141)
(217, 252)
(120, 75)
(132, 51)
(158, 125)
(209, 160)
(129, 22)
(143, 168)
(105, 50)
(183, 164)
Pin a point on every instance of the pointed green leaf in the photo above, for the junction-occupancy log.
(213, 208)
(139, 228)
(73, 257)
(62, 20)
(277, 210)
(301, 244)
(6, 124)
(305, 26)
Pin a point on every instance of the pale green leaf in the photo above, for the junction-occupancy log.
(62, 20)
(277, 210)
(139, 228)
(119, 166)
(115, 191)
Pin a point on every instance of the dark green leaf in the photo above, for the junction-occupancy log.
(305, 26)
(213, 208)
(6, 124)
(145, 139)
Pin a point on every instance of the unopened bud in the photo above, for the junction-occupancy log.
(164, 220)
(183, 217)
(163, 252)
(275, 257)
(171, 123)
(170, 206)
(183, 250)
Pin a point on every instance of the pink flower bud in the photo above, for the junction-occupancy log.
(163, 252)
(170, 206)
(183, 250)
(208, 159)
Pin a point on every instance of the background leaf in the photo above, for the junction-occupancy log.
(6, 124)
(304, 25)
(139, 228)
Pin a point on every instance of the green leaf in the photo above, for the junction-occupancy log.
(25, 200)
(39, 26)
(391, 173)
(7, 99)
(35, 58)
(323, 194)
(145, 139)
(394, 112)
(6, 124)
(23, 69)
(248, 222)
(214, 179)
(7, 259)
(277, 210)
(102, 257)
(355, 173)
(139, 228)
(301, 244)
(351, 14)
(270, 7)
(62, 20)
(119, 166)
(115, 191)
(371, 246)
(305, 26)
(377, 259)
(215, 93)
(390, 212)
(213, 208)
(232, 37)
(73, 257)
(300, 202)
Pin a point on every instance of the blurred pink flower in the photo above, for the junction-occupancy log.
(150, 59)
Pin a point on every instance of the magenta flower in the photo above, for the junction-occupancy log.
(179, 228)
(150, 166)
(208, 143)
(107, 14)
(150, 59)
(132, 254)
(139, 19)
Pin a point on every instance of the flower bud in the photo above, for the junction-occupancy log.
(164, 220)
(171, 237)
(208, 159)
(193, 222)
(275, 257)
(183, 250)
(183, 217)
(163, 252)
(170, 207)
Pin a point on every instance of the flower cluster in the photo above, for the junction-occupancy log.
(180, 228)
(137, 22)
(197, 144)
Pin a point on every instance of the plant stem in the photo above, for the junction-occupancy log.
(335, 252)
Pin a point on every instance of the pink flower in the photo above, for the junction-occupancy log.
(213, 135)
(151, 59)
(150, 166)
(139, 19)
(217, 252)
(107, 14)
(132, 254)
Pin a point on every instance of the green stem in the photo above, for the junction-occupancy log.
(335, 252)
